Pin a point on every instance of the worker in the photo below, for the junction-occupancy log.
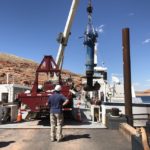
(56, 102)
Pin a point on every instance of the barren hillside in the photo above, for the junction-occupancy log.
(22, 71)
(143, 93)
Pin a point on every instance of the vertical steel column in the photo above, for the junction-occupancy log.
(127, 74)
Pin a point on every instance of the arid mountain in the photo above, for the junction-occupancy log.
(143, 93)
(147, 91)
(22, 71)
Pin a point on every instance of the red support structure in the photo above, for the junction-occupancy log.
(36, 100)
(47, 65)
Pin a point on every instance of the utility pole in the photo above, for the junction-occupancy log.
(127, 74)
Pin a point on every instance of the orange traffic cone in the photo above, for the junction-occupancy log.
(19, 117)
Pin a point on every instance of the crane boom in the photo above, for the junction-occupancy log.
(63, 39)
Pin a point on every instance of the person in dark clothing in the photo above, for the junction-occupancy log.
(56, 103)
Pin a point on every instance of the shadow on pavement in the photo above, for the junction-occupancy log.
(74, 137)
(4, 144)
(44, 122)
(76, 123)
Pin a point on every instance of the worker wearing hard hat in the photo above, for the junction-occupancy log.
(56, 101)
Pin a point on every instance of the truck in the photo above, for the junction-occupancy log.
(36, 99)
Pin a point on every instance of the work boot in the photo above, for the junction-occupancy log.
(60, 138)
(52, 140)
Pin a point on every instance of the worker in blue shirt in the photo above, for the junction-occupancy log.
(56, 102)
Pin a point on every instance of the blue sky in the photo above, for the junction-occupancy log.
(29, 28)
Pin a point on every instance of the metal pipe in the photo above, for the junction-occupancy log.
(90, 39)
(127, 74)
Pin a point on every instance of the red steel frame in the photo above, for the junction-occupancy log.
(37, 100)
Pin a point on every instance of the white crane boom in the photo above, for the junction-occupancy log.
(63, 39)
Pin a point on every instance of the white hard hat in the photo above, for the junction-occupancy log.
(40, 87)
(57, 88)
(27, 91)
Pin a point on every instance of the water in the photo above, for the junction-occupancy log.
(145, 99)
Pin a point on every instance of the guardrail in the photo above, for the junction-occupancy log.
(137, 137)
(140, 117)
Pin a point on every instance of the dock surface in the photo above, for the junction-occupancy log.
(74, 139)
(45, 124)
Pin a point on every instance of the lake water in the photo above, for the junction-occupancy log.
(145, 99)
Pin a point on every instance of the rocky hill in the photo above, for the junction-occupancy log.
(143, 93)
(22, 71)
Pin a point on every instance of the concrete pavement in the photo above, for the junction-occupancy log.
(74, 139)
(45, 123)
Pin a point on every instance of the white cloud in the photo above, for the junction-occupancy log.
(141, 86)
(147, 85)
(131, 14)
(100, 29)
(136, 84)
(116, 74)
(146, 41)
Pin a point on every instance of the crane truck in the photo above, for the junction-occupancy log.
(36, 100)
